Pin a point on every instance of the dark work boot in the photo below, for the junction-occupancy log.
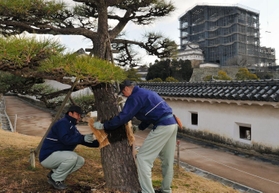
(49, 174)
(57, 184)
(158, 191)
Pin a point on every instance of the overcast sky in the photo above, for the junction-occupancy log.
(169, 26)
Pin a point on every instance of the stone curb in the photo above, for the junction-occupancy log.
(226, 182)
(5, 121)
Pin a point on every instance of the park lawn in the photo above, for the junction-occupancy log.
(18, 176)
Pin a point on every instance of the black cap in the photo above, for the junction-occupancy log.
(75, 108)
(123, 84)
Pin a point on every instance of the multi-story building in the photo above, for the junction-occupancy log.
(228, 35)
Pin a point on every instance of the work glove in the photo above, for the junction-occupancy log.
(89, 138)
(98, 125)
(135, 128)
(142, 126)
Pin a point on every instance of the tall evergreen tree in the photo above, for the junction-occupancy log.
(101, 21)
(180, 70)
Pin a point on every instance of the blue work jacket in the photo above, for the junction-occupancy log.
(63, 136)
(147, 106)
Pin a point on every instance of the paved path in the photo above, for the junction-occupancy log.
(257, 175)
(31, 120)
(261, 176)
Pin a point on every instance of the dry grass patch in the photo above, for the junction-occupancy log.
(18, 176)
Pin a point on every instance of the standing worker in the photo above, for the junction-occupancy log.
(148, 107)
(57, 152)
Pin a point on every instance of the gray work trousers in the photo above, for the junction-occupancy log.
(63, 163)
(162, 142)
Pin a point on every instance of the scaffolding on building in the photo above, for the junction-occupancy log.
(228, 35)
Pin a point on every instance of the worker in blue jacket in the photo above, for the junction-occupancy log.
(148, 107)
(57, 152)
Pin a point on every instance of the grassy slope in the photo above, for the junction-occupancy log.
(17, 175)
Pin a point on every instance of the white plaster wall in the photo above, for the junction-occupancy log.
(224, 119)
(60, 86)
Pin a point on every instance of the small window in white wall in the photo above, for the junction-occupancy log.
(194, 118)
(245, 132)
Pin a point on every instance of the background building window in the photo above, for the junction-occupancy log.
(245, 132)
(194, 118)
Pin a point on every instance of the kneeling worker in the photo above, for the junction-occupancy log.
(57, 152)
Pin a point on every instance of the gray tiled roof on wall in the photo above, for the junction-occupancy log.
(261, 90)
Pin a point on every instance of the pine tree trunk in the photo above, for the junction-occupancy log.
(118, 163)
